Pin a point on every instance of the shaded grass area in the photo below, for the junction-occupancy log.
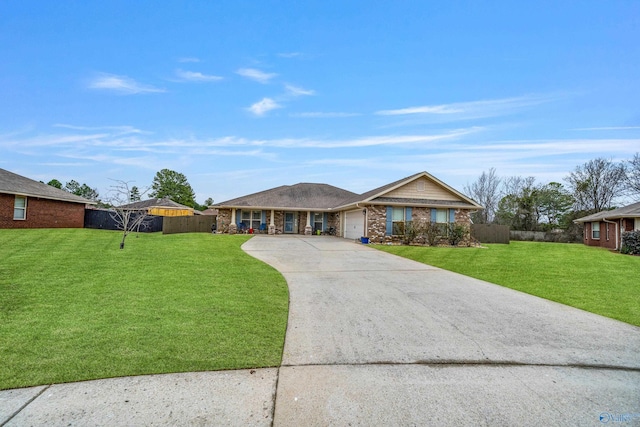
(593, 279)
(73, 306)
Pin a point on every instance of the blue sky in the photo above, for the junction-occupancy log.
(244, 96)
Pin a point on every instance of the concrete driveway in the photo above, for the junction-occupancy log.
(374, 339)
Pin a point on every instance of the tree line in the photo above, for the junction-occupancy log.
(523, 204)
(166, 183)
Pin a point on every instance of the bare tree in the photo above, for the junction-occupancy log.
(596, 184)
(126, 218)
(485, 191)
(633, 176)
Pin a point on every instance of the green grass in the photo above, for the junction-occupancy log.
(73, 306)
(593, 279)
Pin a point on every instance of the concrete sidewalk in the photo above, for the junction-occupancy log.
(375, 339)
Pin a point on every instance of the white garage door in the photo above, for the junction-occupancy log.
(354, 225)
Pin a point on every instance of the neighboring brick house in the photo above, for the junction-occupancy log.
(25, 203)
(605, 228)
(379, 214)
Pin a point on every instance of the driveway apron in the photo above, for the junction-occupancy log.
(378, 339)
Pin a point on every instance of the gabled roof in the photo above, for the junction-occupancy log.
(377, 195)
(299, 196)
(629, 211)
(164, 202)
(326, 197)
(11, 183)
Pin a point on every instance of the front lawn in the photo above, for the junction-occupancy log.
(589, 278)
(73, 306)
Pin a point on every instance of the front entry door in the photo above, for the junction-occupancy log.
(289, 222)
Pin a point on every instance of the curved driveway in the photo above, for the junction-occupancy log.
(376, 339)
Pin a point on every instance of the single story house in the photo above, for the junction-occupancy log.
(25, 203)
(605, 228)
(379, 214)
(160, 207)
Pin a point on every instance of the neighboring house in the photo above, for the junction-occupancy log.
(25, 203)
(379, 214)
(160, 207)
(605, 228)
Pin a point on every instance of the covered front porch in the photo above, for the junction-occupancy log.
(277, 221)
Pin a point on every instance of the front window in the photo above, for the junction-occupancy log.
(442, 219)
(251, 219)
(397, 220)
(595, 230)
(317, 221)
(20, 208)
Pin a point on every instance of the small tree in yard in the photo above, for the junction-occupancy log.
(127, 220)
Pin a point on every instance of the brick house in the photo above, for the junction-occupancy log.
(25, 203)
(605, 228)
(379, 214)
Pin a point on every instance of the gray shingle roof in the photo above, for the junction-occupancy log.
(11, 183)
(164, 202)
(327, 197)
(629, 211)
(298, 196)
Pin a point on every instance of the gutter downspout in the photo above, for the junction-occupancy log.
(617, 231)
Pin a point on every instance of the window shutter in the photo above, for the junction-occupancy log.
(407, 214)
(325, 219)
(238, 216)
(389, 221)
(452, 215)
(263, 220)
(434, 215)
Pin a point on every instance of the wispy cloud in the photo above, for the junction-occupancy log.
(263, 106)
(470, 110)
(194, 76)
(121, 84)
(298, 91)
(289, 54)
(188, 59)
(256, 75)
(323, 115)
(609, 128)
(118, 129)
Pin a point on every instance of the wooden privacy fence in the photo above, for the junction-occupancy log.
(490, 233)
(188, 224)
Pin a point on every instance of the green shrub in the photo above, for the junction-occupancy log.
(457, 234)
(630, 243)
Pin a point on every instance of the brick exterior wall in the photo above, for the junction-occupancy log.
(603, 241)
(377, 222)
(42, 213)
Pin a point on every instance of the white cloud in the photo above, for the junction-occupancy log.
(610, 128)
(195, 76)
(322, 115)
(298, 91)
(263, 106)
(122, 84)
(188, 59)
(472, 109)
(289, 54)
(256, 75)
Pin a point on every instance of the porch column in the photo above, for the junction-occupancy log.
(308, 229)
(272, 224)
(233, 227)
